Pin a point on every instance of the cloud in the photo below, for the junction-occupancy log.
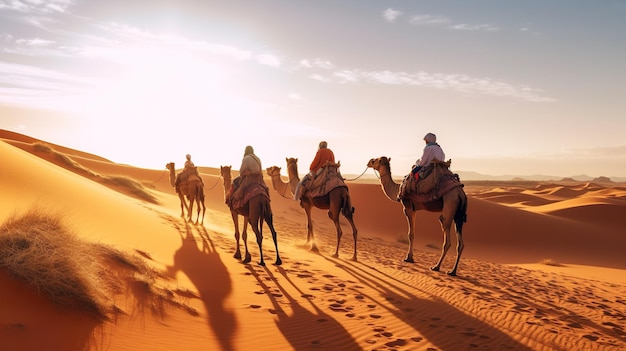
(316, 63)
(437, 20)
(454, 82)
(36, 6)
(27, 85)
(428, 20)
(390, 14)
(594, 152)
(475, 27)
(34, 42)
(268, 60)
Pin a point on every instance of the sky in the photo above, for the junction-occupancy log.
(509, 87)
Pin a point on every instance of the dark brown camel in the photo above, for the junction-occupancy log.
(336, 201)
(192, 188)
(453, 207)
(254, 212)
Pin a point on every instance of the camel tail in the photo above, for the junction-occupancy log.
(460, 216)
(347, 210)
(266, 212)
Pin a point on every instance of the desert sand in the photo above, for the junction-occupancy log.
(543, 268)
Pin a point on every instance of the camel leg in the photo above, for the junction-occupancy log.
(446, 223)
(354, 234)
(247, 257)
(235, 217)
(190, 211)
(334, 216)
(183, 205)
(410, 217)
(269, 219)
(257, 227)
(203, 211)
(310, 238)
(459, 246)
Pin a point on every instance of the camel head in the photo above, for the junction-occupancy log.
(292, 165)
(170, 166)
(378, 163)
(273, 171)
(225, 172)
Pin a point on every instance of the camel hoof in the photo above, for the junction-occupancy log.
(247, 259)
(354, 258)
(237, 255)
(452, 273)
(315, 249)
(409, 260)
(262, 263)
(278, 262)
(335, 256)
(434, 268)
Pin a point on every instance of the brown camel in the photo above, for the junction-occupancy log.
(254, 212)
(453, 207)
(336, 201)
(192, 188)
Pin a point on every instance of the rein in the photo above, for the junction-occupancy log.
(349, 180)
(214, 185)
(164, 172)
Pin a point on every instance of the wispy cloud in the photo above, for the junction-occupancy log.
(595, 152)
(428, 19)
(268, 60)
(446, 22)
(22, 84)
(475, 27)
(316, 63)
(454, 82)
(36, 6)
(390, 14)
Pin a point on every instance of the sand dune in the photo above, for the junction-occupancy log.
(204, 299)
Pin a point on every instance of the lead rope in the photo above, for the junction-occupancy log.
(358, 176)
(214, 185)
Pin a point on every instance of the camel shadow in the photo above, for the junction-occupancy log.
(195, 261)
(432, 318)
(303, 328)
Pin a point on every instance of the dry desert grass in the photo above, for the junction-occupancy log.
(40, 250)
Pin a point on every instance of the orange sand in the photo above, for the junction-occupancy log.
(503, 297)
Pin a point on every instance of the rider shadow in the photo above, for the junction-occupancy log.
(205, 269)
(304, 329)
(428, 316)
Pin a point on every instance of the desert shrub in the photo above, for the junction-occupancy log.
(550, 262)
(39, 250)
(133, 186)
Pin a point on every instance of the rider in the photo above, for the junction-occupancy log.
(249, 172)
(323, 155)
(432, 151)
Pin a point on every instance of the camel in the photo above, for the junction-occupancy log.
(254, 212)
(453, 207)
(336, 201)
(192, 188)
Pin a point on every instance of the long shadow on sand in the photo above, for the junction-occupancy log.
(195, 261)
(443, 325)
(304, 328)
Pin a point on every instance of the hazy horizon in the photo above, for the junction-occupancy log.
(518, 88)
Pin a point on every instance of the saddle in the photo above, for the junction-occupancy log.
(328, 179)
(244, 189)
(433, 182)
